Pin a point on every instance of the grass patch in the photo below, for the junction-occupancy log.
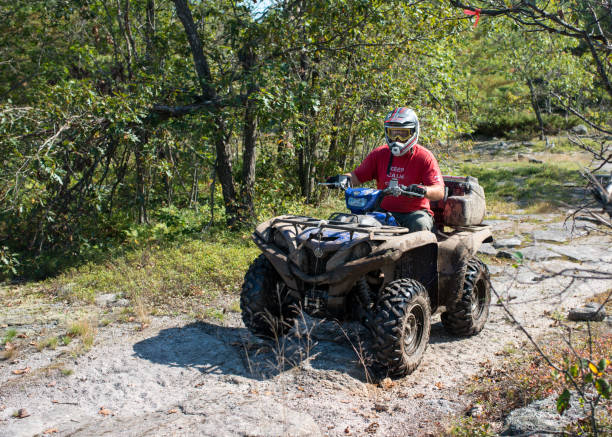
(543, 207)
(235, 307)
(214, 313)
(538, 187)
(66, 372)
(562, 144)
(164, 277)
(9, 336)
(49, 342)
(85, 330)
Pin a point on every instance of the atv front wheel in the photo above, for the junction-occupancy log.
(268, 310)
(469, 314)
(401, 326)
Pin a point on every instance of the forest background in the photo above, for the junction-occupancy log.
(140, 123)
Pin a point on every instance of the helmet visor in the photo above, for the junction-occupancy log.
(400, 134)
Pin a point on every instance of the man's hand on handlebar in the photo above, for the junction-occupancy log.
(413, 190)
(418, 190)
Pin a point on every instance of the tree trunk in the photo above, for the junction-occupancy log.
(224, 171)
(150, 32)
(280, 145)
(247, 58)
(123, 19)
(220, 136)
(333, 142)
(536, 108)
(141, 198)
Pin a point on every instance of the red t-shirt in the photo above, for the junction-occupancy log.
(416, 167)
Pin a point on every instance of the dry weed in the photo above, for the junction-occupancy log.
(85, 329)
(141, 310)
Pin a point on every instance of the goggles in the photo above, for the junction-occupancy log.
(400, 134)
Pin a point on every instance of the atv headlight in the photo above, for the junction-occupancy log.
(357, 202)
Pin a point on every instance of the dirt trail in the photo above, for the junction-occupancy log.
(178, 377)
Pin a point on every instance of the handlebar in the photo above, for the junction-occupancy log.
(400, 190)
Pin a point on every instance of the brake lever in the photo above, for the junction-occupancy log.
(412, 194)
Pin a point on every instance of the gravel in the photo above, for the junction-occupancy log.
(182, 377)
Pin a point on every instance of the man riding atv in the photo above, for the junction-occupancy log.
(401, 161)
(362, 266)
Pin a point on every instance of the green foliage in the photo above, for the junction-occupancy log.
(91, 167)
(9, 336)
(563, 401)
(9, 262)
(522, 125)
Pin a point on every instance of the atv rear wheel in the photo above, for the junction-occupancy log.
(268, 310)
(401, 326)
(469, 314)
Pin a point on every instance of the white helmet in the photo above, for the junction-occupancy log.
(401, 130)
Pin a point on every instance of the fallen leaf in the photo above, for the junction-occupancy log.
(22, 335)
(131, 319)
(439, 385)
(268, 393)
(253, 391)
(32, 343)
(419, 396)
(372, 428)
(387, 383)
(4, 326)
(380, 407)
(21, 413)
(172, 411)
(105, 412)
(51, 384)
(2, 407)
(347, 430)
(50, 431)
(21, 371)
(300, 388)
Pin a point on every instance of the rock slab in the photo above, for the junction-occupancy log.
(590, 312)
(542, 417)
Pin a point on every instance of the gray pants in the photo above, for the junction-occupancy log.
(415, 221)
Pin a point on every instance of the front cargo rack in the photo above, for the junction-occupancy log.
(353, 228)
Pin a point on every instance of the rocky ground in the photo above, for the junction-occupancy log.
(175, 376)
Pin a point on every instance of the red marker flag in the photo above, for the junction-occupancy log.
(474, 12)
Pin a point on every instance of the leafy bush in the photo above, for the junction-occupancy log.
(523, 125)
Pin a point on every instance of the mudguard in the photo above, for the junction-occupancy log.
(454, 251)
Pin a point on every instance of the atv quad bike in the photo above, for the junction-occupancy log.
(363, 266)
